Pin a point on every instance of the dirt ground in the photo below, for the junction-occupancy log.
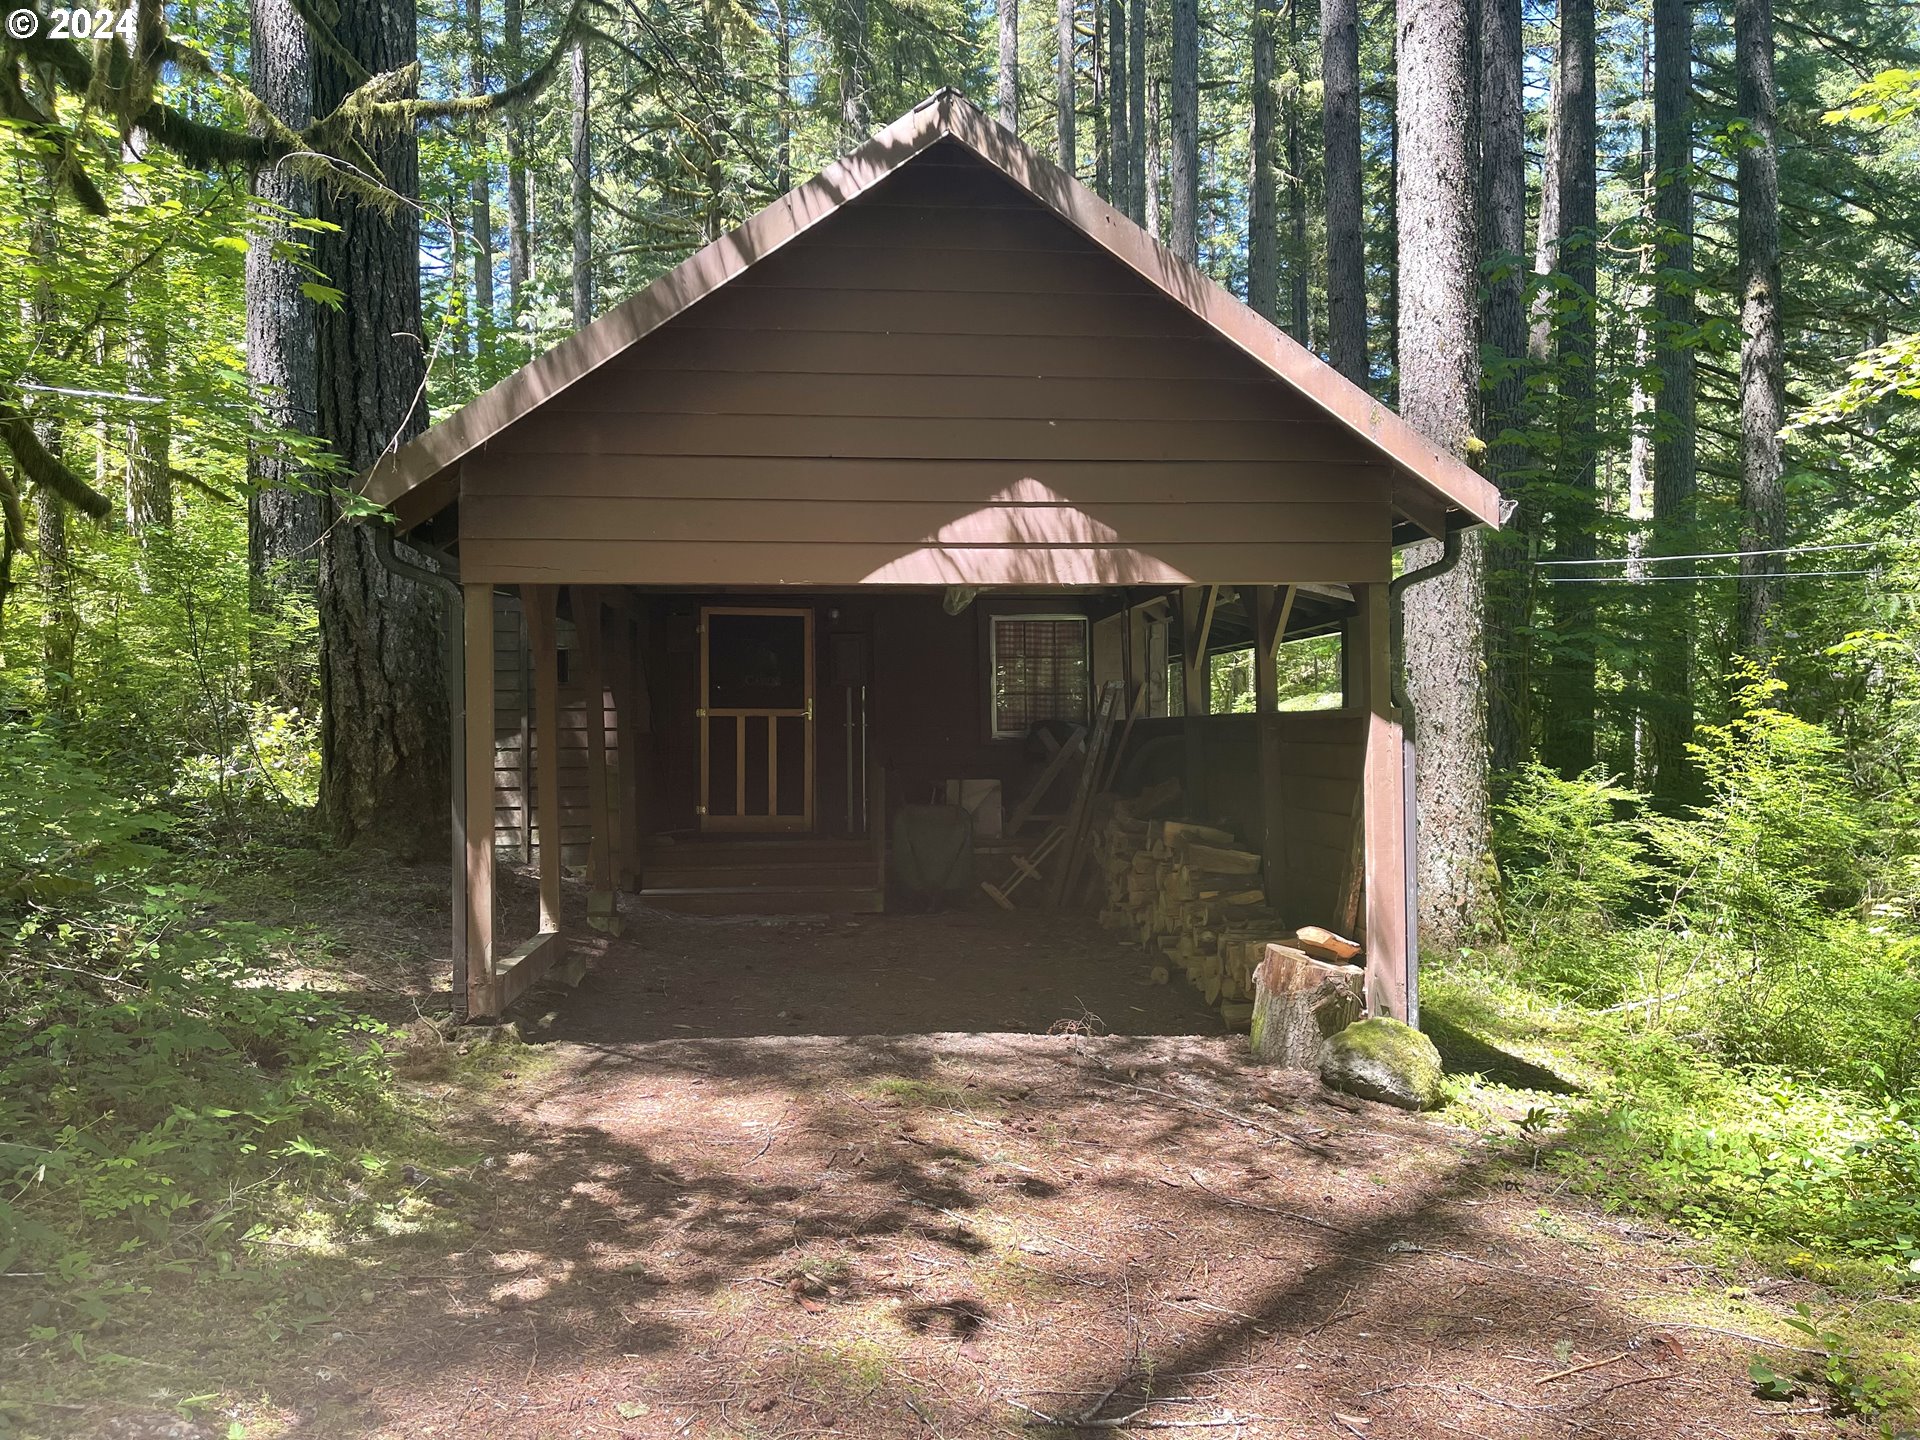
(799, 1178)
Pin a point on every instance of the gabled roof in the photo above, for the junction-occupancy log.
(417, 479)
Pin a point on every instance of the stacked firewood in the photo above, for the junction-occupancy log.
(1188, 892)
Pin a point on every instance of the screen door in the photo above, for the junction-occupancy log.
(756, 719)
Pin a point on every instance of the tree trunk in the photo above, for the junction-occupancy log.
(150, 432)
(286, 511)
(1346, 244)
(783, 174)
(580, 136)
(853, 77)
(383, 734)
(1184, 167)
(1065, 119)
(1263, 233)
(480, 199)
(1546, 241)
(1007, 93)
(1299, 262)
(1137, 109)
(1102, 174)
(53, 560)
(1151, 214)
(1391, 230)
(1763, 501)
(1120, 157)
(1503, 244)
(1439, 385)
(1568, 738)
(458, 336)
(1670, 657)
(519, 233)
(1299, 1003)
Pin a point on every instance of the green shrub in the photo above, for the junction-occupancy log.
(1761, 1154)
(1573, 863)
(156, 1092)
(1773, 852)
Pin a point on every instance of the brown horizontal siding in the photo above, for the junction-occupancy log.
(887, 227)
(943, 383)
(914, 522)
(943, 266)
(964, 184)
(642, 562)
(493, 476)
(911, 437)
(846, 352)
(949, 397)
(940, 312)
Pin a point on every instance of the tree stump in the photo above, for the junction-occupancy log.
(1299, 1003)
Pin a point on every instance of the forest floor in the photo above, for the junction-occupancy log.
(740, 1183)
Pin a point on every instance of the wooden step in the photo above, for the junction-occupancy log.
(766, 900)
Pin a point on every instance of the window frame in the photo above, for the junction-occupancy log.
(993, 619)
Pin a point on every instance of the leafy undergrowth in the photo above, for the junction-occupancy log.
(180, 1136)
(1734, 989)
(1780, 1175)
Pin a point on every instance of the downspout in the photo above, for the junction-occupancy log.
(453, 639)
(1397, 588)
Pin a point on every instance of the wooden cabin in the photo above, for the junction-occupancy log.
(859, 503)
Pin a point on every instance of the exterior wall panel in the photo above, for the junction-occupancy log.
(943, 383)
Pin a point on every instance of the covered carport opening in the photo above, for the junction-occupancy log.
(579, 730)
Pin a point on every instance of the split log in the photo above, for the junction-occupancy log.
(1220, 860)
(1325, 945)
(1183, 832)
(1299, 1002)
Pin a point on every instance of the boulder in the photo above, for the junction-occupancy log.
(1383, 1060)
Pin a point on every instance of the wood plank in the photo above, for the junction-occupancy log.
(602, 909)
(1119, 482)
(542, 643)
(521, 970)
(964, 184)
(993, 397)
(940, 312)
(623, 660)
(1389, 935)
(914, 438)
(479, 782)
(829, 265)
(681, 347)
(639, 562)
(912, 522)
(890, 227)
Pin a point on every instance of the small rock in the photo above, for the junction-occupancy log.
(1384, 1060)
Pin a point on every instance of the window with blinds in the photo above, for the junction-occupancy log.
(1039, 672)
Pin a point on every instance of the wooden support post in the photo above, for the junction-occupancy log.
(603, 911)
(1196, 625)
(1389, 933)
(542, 642)
(1272, 608)
(478, 813)
(623, 659)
